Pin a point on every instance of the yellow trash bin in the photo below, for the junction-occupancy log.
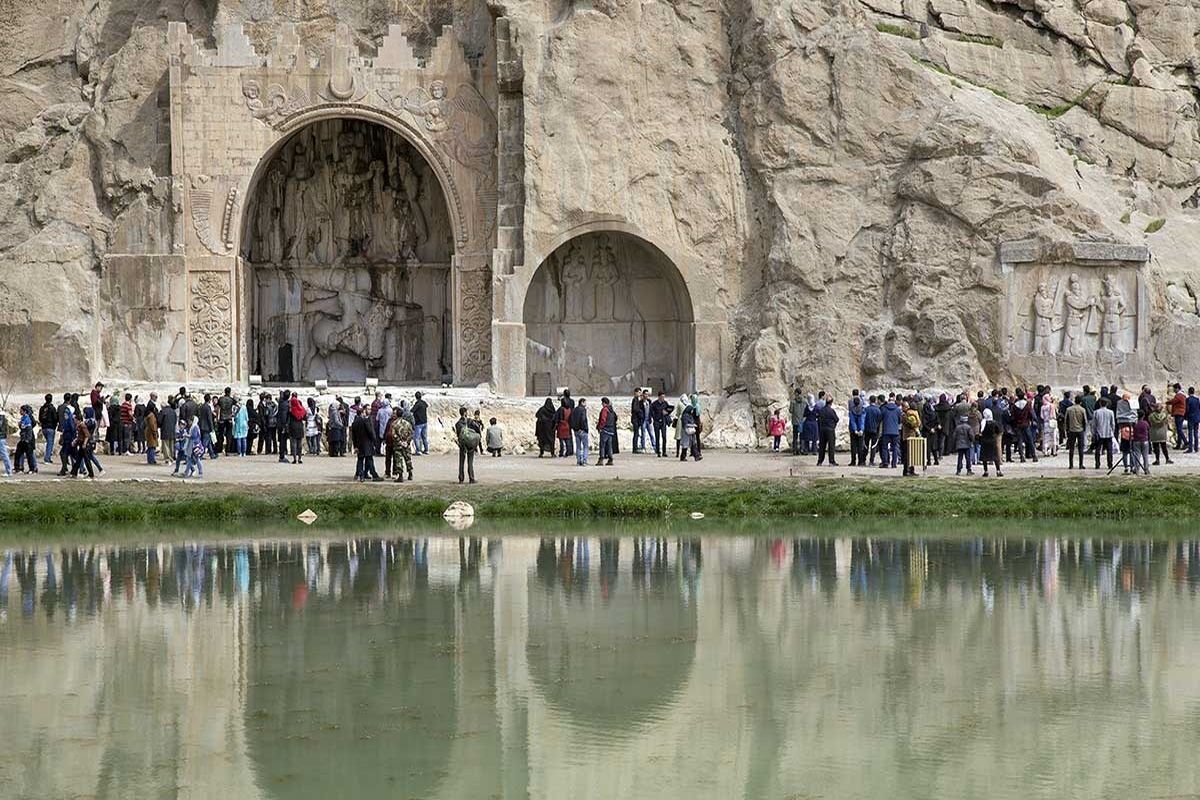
(915, 452)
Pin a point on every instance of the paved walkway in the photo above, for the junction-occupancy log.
(443, 469)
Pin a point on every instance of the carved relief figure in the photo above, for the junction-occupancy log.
(1043, 320)
(277, 105)
(299, 205)
(431, 106)
(350, 186)
(1078, 309)
(343, 316)
(574, 282)
(1112, 306)
(605, 276)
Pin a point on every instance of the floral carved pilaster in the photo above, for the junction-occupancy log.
(210, 325)
(475, 324)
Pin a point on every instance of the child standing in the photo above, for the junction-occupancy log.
(495, 438)
(776, 426)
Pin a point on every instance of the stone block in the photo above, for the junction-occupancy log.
(1020, 251)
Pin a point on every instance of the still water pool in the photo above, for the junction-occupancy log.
(593, 663)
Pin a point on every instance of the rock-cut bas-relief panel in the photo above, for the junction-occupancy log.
(605, 314)
(349, 245)
(1076, 312)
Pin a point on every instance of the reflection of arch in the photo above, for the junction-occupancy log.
(607, 311)
(581, 636)
(348, 232)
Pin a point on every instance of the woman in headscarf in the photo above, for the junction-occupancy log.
(989, 440)
(562, 429)
(544, 428)
(296, 416)
(241, 426)
(312, 428)
(687, 429)
(808, 442)
(1049, 416)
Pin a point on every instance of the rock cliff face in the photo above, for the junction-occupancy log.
(836, 177)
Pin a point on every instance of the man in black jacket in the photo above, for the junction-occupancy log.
(204, 418)
(48, 419)
(637, 418)
(225, 422)
(281, 424)
(660, 413)
(827, 421)
(420, 412)
(362, 434)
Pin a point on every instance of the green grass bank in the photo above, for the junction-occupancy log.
(1060, 498)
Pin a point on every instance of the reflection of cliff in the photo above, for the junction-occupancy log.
(517, 668)
(144, 695)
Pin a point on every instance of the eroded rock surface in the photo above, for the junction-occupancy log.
(833, 178)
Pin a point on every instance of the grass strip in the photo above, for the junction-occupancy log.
(1025, 498)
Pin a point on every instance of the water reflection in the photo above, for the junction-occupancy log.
(596, 667)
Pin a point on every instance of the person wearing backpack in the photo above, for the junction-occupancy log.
(468, 444)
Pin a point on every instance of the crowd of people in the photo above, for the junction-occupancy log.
(653, 422)
(982, 429)
(991, 428)
(186, 429)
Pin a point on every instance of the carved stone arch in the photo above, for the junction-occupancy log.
(355, 302)
(705, 344)
(398, 125)
(703, 297)
(607, 312)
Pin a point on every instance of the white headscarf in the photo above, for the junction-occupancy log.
(987, 415)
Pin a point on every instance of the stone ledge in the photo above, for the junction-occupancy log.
(1022, 251)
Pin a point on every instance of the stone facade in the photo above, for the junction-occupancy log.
(872, 193)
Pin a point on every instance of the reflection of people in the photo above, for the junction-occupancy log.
(1112, 306)
(1043, 320)
(1078, 307)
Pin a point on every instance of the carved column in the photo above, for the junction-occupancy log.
(508, 329)
(472, 319)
